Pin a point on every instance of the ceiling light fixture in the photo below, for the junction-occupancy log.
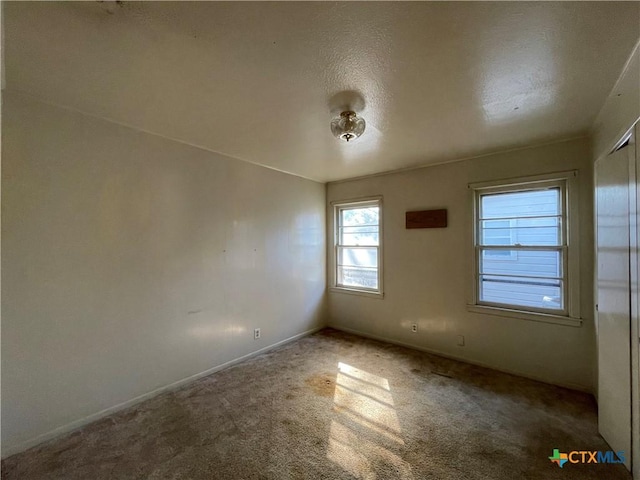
(348, 126)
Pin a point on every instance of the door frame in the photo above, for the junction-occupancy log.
(634, 251)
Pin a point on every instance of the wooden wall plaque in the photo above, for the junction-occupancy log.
(427, 219)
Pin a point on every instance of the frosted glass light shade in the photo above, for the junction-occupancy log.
(348, 126)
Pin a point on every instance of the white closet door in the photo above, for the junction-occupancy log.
(635, 301)
(613, 297)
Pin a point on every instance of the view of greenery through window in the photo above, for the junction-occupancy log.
(357, 247)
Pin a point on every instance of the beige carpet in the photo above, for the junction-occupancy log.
(335, 406)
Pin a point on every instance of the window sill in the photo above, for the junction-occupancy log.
(353, 291)
(522, 315)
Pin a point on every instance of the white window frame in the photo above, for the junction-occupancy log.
(570, 248)
(336, 207)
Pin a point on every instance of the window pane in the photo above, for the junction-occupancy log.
(527, 263)
(360, 229)
(358, 257)
(349, 239)
(367, 235)
(359, 216)
(521, 204)
(523, 231)
(526, 292)
(358, 277)
(496, 232)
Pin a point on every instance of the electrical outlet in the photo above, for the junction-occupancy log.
(256, 333)
(414, 327)
(461, 340)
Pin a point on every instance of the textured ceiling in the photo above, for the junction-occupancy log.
(259, 81)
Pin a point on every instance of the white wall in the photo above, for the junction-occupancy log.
(427, 272)
(130, 262)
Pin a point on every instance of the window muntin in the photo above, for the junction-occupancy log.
(357, 246)
(525, 224)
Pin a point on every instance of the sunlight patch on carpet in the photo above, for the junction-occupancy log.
(365, 432)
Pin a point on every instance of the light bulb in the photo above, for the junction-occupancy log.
(348, 126)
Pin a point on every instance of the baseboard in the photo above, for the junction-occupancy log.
(76, 424)
(572, 386)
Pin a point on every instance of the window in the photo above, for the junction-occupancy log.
(357, 255)
(522, 248)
